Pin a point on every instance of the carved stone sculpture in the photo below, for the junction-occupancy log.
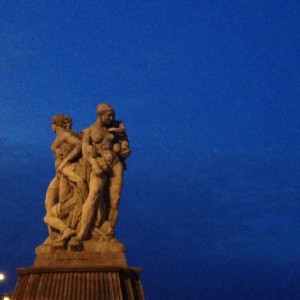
(82, 199)
(81, 258)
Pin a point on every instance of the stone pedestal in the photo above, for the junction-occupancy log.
(80, 283)
(91, 272)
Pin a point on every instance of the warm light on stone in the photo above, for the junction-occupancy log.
(82, 208)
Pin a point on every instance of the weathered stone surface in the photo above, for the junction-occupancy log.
(82, 258)
(105, 283)
(82, 199)
(61, 258)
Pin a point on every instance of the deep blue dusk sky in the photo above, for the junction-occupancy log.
(209, 92)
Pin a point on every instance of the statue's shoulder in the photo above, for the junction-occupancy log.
(88, 129)
(88, 132)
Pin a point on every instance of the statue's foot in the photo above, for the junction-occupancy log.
(76, 244)
(59, 245)
(107, 229)
(66, 234)
(75, 241)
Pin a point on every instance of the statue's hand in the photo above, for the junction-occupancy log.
(124, 152)
(96, 170)
(59, 169)
(117, 148)
(112, 129)
(103, 165)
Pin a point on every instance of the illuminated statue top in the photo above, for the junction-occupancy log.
(82, 199)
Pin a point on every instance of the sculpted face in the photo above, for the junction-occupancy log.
(107, 117)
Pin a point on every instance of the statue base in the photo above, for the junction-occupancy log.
(92, 270)
(89, 253)
(106, 283)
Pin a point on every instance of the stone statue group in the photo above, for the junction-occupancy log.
(82, 199)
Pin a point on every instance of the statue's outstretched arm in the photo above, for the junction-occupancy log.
(71, 139)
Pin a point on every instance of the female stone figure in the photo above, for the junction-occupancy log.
(67, 150)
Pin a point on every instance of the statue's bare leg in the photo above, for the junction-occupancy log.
(69, 172)
(64, 189)
(52, 196)
(53, 220)
(52, 193)
(114, 193)
(89, 207)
